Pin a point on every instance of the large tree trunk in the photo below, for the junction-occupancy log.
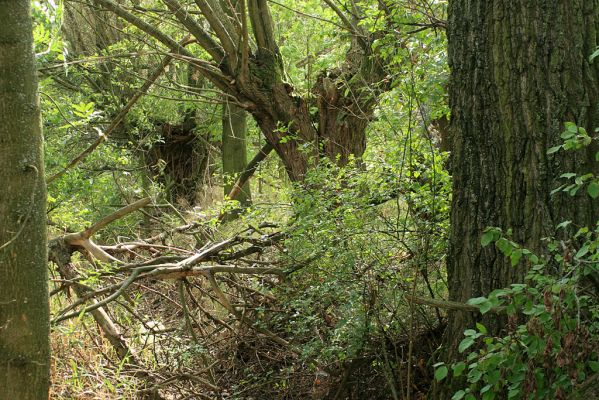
(234, 150)
(345, 99)
(24, 325)
(519, 70)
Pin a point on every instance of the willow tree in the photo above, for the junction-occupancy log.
(520, 69)
(243, 60)
(24, 324)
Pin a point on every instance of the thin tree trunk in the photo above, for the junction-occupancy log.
(24, 324)
(519, 70)
(234, 152)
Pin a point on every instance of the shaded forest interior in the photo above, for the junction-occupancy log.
(318, 199)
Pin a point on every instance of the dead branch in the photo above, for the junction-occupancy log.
(83, 239)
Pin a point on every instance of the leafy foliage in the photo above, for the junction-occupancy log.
(552, 335)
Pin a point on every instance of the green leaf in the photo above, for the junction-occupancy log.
(485, 307)
(533, 258)
(594, 365)
(515, 257)
(487, 238)
(441, 373)
(568, 175)
(593, 189)
(481, 328)
(563, 224)
(464, 344)
(458, 368)
(594, 55)
(571, 127)
(474, 375)
(499, 292)
(554, 149)
(582, 251)
(566, 135)
(459, 395)
(505, 246)
(489, 395)
(475, 301)
(597, 156)
(513, 393)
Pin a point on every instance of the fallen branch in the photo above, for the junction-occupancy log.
(83, 239)
(126, 283)
(182, 272)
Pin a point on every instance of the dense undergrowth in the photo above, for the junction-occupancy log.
(317, 289)
(332, 323)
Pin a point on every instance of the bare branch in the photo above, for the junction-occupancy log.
(82, 239)
(128, 209)
(448, 305)
(144, 26)
(126, 283)
(249, 170)
(217, 20)
(348, 23)
(262, 25)
(196, 30)
(178, 272)
(120, 116)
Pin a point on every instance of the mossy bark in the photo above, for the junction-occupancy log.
(24, 314)
(519, 70)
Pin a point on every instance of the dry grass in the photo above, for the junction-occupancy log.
(81, 368)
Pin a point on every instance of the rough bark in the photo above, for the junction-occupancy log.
(24, 324)
(345, 99)
(234, 151)
(519, 70)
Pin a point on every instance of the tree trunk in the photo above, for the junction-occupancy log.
(519, 70)
(24, 324)
(344, 98)
(234, 152)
